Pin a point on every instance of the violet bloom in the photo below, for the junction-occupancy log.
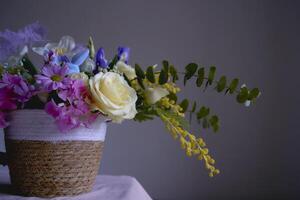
(22, 89)
(53, 77)
(71, 116)
(14, 45)
(7, 99)
(123, 54)
(74, 89)
(100, 59)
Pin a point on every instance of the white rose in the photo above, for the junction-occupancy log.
(113, 96)
(126, 69)
(152, 95)
(81, 76)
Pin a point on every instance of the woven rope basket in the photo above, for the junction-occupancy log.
(46, 163)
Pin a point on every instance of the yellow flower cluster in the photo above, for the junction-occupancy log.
(191, 144)
(166, 103)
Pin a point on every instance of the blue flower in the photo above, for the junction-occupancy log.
(77, 60)
(123, 54)
(100, 59)
(14, 45)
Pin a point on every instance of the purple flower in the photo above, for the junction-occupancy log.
(68, 117)
(15, 44)
(75, 89)
(100, 59)
(22, 89)
(53, 77)
(7, 99)
(123, 54)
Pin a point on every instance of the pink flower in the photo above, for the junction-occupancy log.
(68, 117)
(53, 77)
(22, 89)
(7, 99)
(74, 89)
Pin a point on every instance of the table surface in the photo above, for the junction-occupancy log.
(106, 187)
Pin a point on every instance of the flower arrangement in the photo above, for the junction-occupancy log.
(76, 84)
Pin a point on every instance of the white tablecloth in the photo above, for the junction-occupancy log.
(105, 188)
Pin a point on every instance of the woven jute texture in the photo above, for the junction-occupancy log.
(50, 169)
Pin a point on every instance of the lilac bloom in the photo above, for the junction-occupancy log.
(71, 116)
(7, 99)
(14, 45)
(75, 89)
(53, 77)
(22, 89)
(100, 59)
(123, 54)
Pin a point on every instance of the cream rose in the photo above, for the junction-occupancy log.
(126, 69)
(113, 96)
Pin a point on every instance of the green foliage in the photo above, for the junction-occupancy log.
(145, 115)
(174, 73)
(165, 65)
(242, 95)
(194, 106)
(27, 64)
(113, 62)
(254, 93)
(140, 75)
(91, 48)
(190, 70)
(221, 84)
(203, 112)
(206, 120)
(150, 74)
(173, 97)
(200, 77)
(170, 114)
(163, 77)
(184, 105)
(211, 74)
(233, 85)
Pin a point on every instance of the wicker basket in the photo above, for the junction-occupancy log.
(46, 163)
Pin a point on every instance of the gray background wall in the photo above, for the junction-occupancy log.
(258, 41)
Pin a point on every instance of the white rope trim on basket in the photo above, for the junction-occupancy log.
(38, 125)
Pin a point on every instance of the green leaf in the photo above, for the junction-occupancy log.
(233, 85)
(203, 112)
(163, 77)
(127, 80)
(205, 123)
(221, 84)
(139, 72)
(174, 74)
(150, 74)
(253, 94)
(27, 64)
(184, 105)
(165, 65)
(211, 74)
(214, 121)
(173, 97)
(190, 70)
(113, 62)
(243, 95)
(194, 106)
(91, 47)
(200, 77)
